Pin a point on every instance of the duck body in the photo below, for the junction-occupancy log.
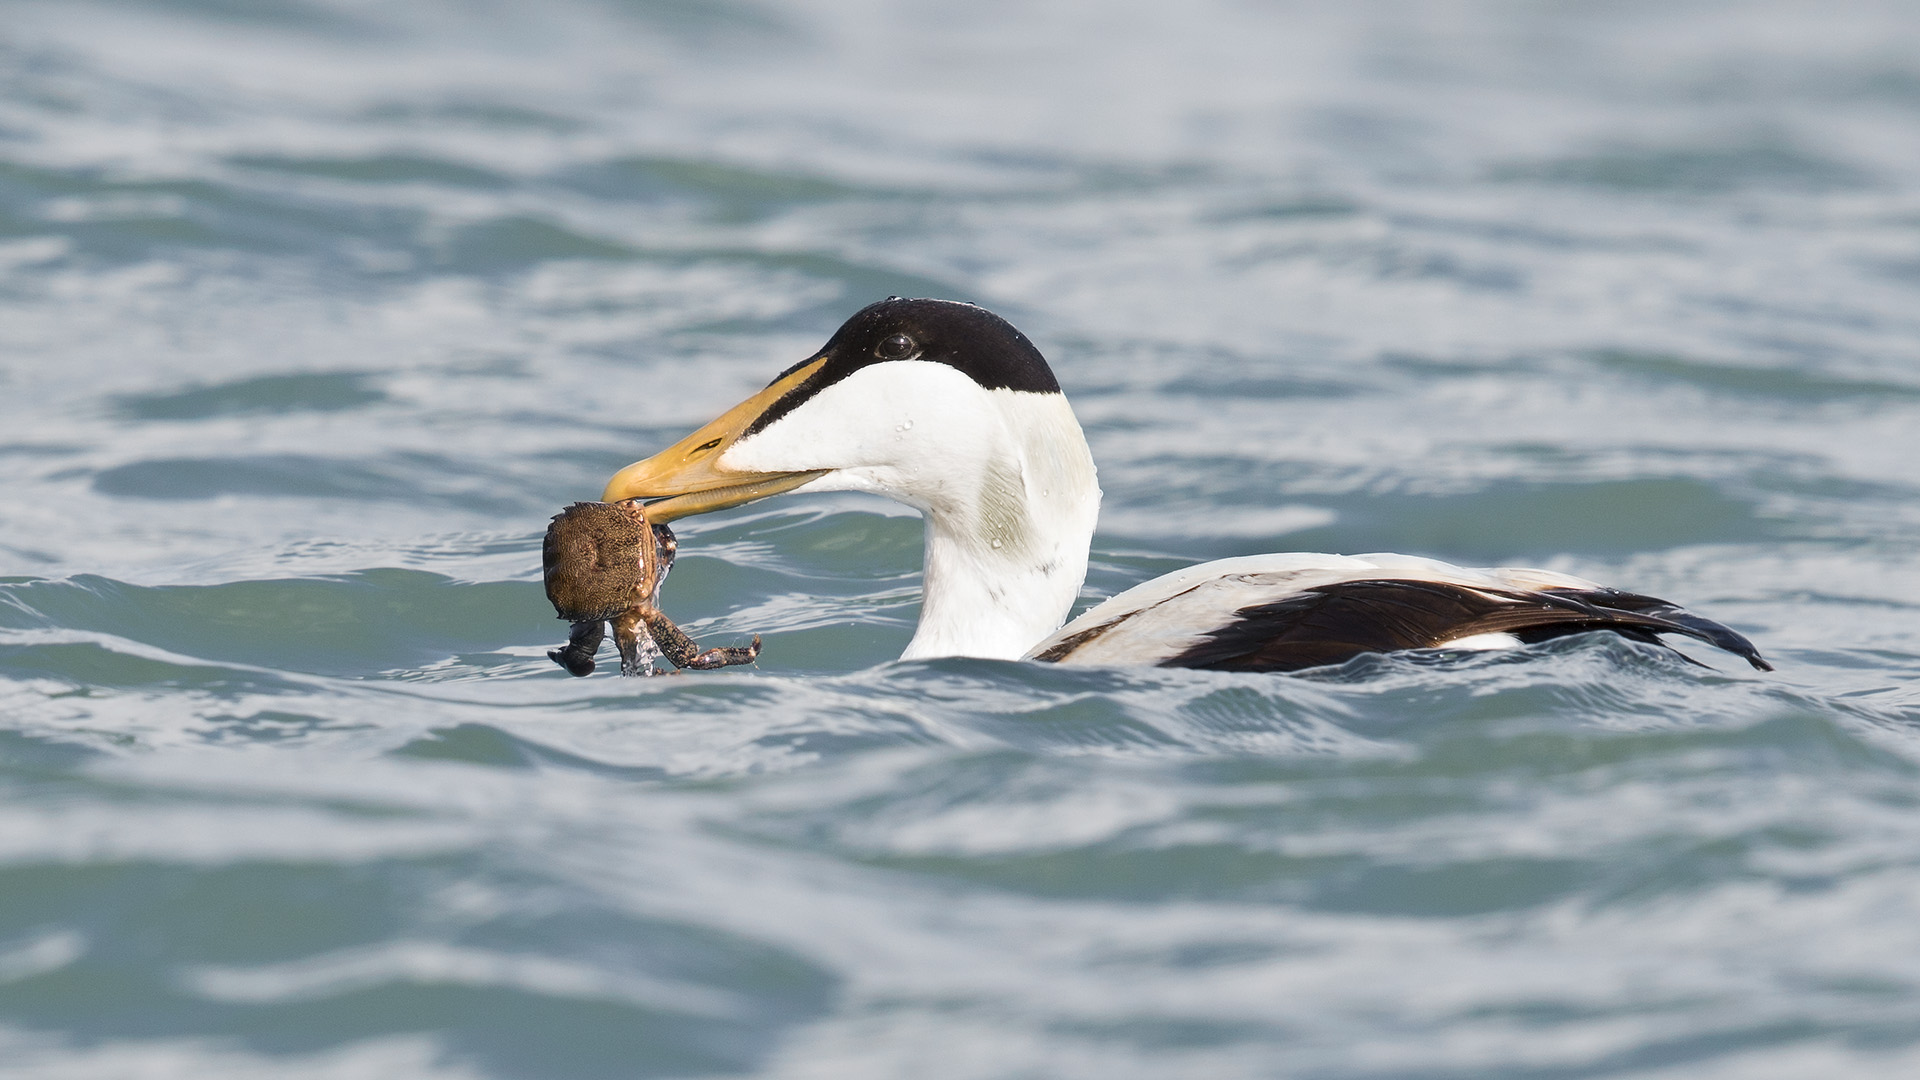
(947, 408)
(1294, 611)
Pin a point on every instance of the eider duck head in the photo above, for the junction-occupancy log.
(940, 405)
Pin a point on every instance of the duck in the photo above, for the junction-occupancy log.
(947, 408)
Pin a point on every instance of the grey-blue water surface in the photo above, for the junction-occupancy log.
(312, 311)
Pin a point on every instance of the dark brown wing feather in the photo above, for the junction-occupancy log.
(1333, 623)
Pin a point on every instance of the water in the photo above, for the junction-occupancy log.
(311, 311)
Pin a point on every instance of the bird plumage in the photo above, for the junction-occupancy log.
(946, 407)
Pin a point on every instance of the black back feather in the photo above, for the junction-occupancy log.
(1334, 623)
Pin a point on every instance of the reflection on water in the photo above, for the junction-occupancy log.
(311, 312)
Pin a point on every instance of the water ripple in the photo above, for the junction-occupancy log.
(312, 311)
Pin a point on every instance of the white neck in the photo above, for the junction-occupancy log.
(1004, 563)
(1004, 477)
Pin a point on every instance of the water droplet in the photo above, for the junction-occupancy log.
(996, 543)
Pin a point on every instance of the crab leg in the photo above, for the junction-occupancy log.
(583, 640)
(637, 647)
(681, 649)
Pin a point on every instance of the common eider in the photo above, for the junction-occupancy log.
(947, 408)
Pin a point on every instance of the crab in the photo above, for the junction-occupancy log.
(604, 563)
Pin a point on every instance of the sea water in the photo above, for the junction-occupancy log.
(313, 311)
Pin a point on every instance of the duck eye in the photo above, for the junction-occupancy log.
(897, 347)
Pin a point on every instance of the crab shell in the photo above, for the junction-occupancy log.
(601, 559)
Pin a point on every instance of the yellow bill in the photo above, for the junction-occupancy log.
(685, 479)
